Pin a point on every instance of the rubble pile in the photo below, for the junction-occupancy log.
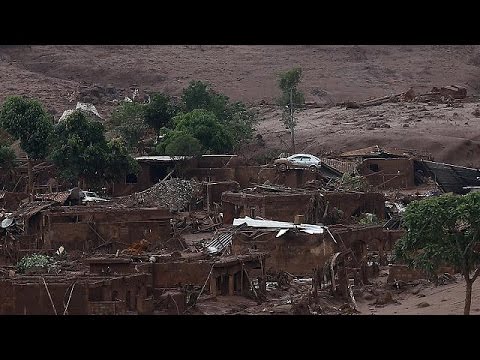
(197, 222)
(175, 194)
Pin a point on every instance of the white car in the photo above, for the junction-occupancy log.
(90, 196)
(299, 161)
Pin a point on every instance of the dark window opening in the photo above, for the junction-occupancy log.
(131, 179)
(374, 167)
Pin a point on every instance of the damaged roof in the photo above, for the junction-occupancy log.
(373, 151)
(32, 208)
(452, 178)
(222, 240)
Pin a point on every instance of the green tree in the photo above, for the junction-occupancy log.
(181, 143)
(128, 119)
(205, 127)
(25, 119)
(118, 161)
(291, 99)
(7, 158)
(443, 230)
(160, 111)
(81, 151)
(239, 121)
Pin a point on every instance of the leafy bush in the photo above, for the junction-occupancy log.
(34, 261)
(353, 183)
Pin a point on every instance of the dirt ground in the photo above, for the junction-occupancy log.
(61, 75)
(426, 299)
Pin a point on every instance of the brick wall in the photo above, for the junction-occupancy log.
(388, 173)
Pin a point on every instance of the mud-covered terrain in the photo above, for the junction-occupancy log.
(62, 75)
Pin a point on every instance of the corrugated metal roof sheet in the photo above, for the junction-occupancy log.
(308, 228)
(221, 241)
(453, 178)
(161, 158)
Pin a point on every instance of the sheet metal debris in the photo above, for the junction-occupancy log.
(308, 228)
(221, 241)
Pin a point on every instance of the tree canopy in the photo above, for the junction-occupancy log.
(128, 120)
(205, 127)
(182, 143)
(160, 111)
(238, 120)
(443, 230)
(81, 151)
(25, 119)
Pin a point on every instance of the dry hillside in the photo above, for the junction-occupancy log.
(61, 75)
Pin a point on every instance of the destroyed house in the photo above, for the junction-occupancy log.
(317, 207)
(388, 173)
(152, 170)
(210, 168)
(300, 249)
(224, 275)
(75, 295)
(88, 228)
